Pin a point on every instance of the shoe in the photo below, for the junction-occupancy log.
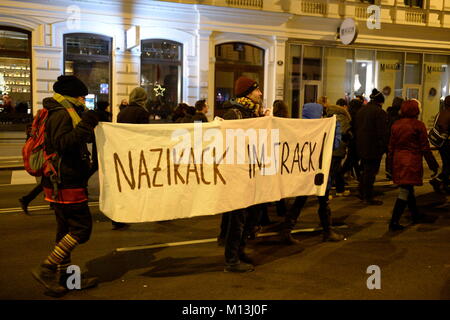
(436, 184)
(48, 276)
(120, 226)
(239, 268)
(373, 202)
(287, 238)
(24, 205)
(346, 193)
(254, 232)
(245, 258)
(332, 236)
(396, 227)
(85, 283)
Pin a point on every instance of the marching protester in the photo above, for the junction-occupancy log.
(239, 222)
(68, 129)
(393, 114)
(351, 164)
(407, 145)
(371, 143)
(441, 182)
(201, 109)
(136, 113)
(311, 111)
(336, 172)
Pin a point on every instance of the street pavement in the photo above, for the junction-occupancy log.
(180, 259)
(158, 261)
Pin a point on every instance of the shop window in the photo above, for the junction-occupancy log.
(88, 57)
(338, 66)
(312, 63)
(436, 85)
(232, 61)
(390, 75)
(15, 78)
(363, 78)
(161, 74)
(414, 3)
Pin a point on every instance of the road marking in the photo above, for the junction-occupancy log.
(22, 177)
(184, 243)
(40, 207)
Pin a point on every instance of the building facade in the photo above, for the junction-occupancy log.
(182, 51)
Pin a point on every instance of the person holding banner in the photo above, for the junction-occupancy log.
(68, 128)
(312, 111)
(239, 223)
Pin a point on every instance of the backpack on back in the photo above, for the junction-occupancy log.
(35, 158)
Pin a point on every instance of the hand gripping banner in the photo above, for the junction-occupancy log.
(160, 172)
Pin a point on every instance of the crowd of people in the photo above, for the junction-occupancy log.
(364, 133)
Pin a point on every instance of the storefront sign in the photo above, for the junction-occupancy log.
(431, 69)
(132, 37)
(348, 31)
(169, 171)
(390, 66)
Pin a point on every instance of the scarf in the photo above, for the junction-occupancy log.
(68, 103)
(247, 103)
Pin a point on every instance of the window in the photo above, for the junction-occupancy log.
(88, 57)
(15, 78)
(338, 74)
(414, 3)
(368, 1)
(233, 60)
(390, 75)
(161, 73)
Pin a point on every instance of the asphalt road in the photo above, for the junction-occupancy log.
(164, 261)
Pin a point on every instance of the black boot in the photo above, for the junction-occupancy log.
(48, 276)
(412, 206)
(397, 212)
(24, 205)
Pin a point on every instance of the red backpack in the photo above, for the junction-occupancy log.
(35, 159)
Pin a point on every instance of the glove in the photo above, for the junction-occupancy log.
(90, 118)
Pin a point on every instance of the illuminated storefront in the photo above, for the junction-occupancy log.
(341, 72)
(15, 78)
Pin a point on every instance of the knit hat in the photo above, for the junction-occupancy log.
(244, 86)
(70, 86)
(377, 96)
(447, 102)
(138, 96)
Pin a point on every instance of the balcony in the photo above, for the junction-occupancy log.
(250, 4)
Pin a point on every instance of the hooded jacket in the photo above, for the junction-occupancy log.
(69, 143)
(344, 120)
(407, 145)
(315, 111)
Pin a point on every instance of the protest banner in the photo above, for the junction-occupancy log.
(160, 172)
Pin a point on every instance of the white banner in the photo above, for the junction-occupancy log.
(160, 172)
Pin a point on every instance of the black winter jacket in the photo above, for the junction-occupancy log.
(69, 143)
(371, 131)
(133, 114)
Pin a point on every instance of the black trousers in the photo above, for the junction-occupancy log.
(33, 193)
(235, 239)
(74, 218)
(444, 151)
(370, 169)
(337, 174)
(293, 214)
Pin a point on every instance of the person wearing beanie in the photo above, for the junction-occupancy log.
(135, 112)
(441, 182)
(68, 128)
(238, 225)
(371, 144)
(407, 146)
(247, 103)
